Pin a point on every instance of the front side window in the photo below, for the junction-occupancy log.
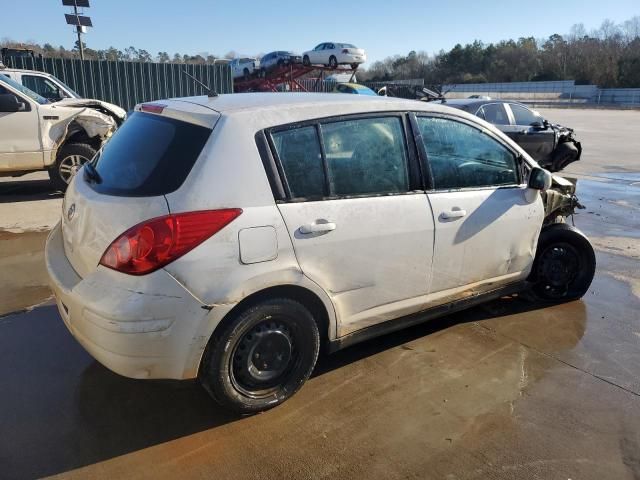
(42, 86)
(301, 159)
(524, 116)
(462, 156)
(494, 113)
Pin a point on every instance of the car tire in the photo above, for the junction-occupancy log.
(354, 66)
(564, 266)
(563, 155)
(69, 160)
(261, 356)
(333, 62)
(305, 61)
(246, 74)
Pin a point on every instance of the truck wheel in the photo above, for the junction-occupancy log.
(564, 154)
(70, 159)
(564, 266)
(261, 356)
(305, 61)
(333, 62)
(246, 74)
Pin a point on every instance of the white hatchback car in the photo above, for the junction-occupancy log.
(333, 54)
(229, 238)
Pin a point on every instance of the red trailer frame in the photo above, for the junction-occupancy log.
(284, 75)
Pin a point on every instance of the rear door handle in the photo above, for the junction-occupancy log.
(317, 227)
(453, 213)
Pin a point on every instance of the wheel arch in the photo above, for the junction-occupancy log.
(307, 294)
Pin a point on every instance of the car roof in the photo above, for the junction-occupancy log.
(257, 111)
(477, 102)
(20, 70)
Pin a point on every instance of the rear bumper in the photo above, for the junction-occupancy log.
(351, 58)
(139, 327)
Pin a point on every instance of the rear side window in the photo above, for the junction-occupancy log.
(461, 156)
(365, 156)
(494, 113)
(149, 155)
(301, 158)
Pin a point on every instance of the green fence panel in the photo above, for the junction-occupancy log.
(129, 83)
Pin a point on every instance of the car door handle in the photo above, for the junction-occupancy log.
(453, 213)
(317, 227)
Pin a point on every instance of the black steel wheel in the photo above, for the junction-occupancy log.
(564, 266)
(305, 61)
(261, 356)
(333, 62)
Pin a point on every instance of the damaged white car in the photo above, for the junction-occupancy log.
(229, 237)
(59, 137)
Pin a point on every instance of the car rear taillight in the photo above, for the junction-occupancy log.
(345, 50)
(152, 107)
(152, 244)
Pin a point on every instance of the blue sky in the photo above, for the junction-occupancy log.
(382, 27)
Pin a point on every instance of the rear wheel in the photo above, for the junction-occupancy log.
(246, 73)
(261, 356)
(333, 62)
(305, 61)
(564, 266)
(70, 159)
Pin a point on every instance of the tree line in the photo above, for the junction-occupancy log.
(608, 56)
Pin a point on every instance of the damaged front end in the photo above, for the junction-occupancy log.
(560, 201)
(567, 148)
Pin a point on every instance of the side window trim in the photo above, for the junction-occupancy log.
(413, 164)
(424, 160)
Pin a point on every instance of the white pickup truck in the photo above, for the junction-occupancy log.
(56, 136)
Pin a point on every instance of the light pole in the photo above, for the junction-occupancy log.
(80, 22)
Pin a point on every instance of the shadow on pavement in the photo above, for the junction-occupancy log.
(27, 190)
(61, 410)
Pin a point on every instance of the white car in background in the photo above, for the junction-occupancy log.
(244, 67)
(333, 54)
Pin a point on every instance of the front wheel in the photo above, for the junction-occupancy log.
(564, 266)
(261, 356)
(333, 62)
(69, 160)
(305, 61)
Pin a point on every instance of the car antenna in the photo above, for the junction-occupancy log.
(210, 91)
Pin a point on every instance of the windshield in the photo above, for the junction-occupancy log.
(22, 89)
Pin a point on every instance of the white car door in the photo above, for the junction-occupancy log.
(316, 55)
(360, 228)
(20, 142)
(487, 221)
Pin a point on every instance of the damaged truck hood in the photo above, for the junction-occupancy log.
(110, 108)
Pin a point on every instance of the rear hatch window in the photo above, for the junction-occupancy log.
(149, 155)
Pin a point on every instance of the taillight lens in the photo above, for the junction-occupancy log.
(153, 244)
(345, 50)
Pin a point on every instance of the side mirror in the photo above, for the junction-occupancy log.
(539, 179)
(10, 103)
(540, 125)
